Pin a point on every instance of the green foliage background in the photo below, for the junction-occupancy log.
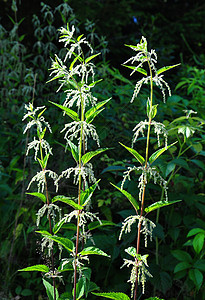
(174, 29)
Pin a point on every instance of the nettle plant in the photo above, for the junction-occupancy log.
(77, 80)
(147, 171)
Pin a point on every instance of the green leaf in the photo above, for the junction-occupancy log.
(91, 57)
(198, 242)
(113, 295)
(196, 276)
(58, 226)
(200, 264)
(73, 62)
(140, 159)
(50, 290)
(74, 150)
(66, 243)
(131, 251)
(87, 156)
(40, 268)
(182, 255)
(96, 224)
(79, 37)
(39, 195)
(140, 70)
(41, 113)
(45, 160)
(195, 231)
(80, 288)
(182, 266)
(42, 134)
(151, 114)
(93, 111)
(67, 200)
(86, 195)
(71, 113)
(93, 250)
(159, 204)
(128, 196)
(162, 70)
(159, 152)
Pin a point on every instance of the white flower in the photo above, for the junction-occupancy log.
(40, 178)
(36, 144)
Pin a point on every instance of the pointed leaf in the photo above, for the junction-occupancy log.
(91, 57)
(140, 159)
(128, 196)
(93, 250)
(79, 37)
(71, 113)
(90, 114)
(87, 157)
(197, 277)
(166, 68)
(86, 195)
(159, 152)
(39, 195)
(195, 231)
(182, 266)
(74, 150)
(58, 226)
(67, 200)
(66, 243)
(182, 255)
(50, 290)
(96, 224)
(113, 295)
(73, 62)
(160, 204)
(198, 242)
(91, 118)
(140, 70)
(40, 268)
(41, 112)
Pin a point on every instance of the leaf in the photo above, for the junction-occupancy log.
(80, 287)
(67, 200)
(86, 195)
(73, 62)
(182, 266)
(93, 250)
(40, 268)
(166, 68)
(140, 70)
(39, 195)
(131, 251)
(182, 255)
(41, 113)
(50, 290)
(79, 37)
(200, 264)
(113, 295)
(135, 154)
(91, 57)
(96, 224)
(93, 111)
(114, 169)
(87, 156)
(66, 243)
(128, 196)
(196, 276)
(159, 152)
(58, 226)
(195, 231)
(198, 242)
(159, 204)
(74, 150)
(71, 113)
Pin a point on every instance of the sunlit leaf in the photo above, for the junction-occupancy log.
(162, 70)
(40, 268)
(113, 295)
(159, 152)
(140, 70)
(67, 200)
(91, 57)
(66, 243)
(140, 159)
(86, 195)
(71, 113)
(39, 195)
(128, 196)
(87, 156)
(159, 204)
(92, 251)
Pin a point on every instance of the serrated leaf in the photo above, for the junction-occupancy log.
(198, 242)
(92, 251)
(131, 251)
(113, 295)
(67, 200)
(140, 159)
(182, 255)
(96, 224)
(140, 70)
(71, 113)
(40, 268)
(87, 156)
(86, 195)
(197, 277)
(39, 195)
(162, 70)
(66, 243)
(91, 113)
(50, 290)
(159, 152)
(91, 57)
(182, 266)
(159, 204)
(128, 196)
